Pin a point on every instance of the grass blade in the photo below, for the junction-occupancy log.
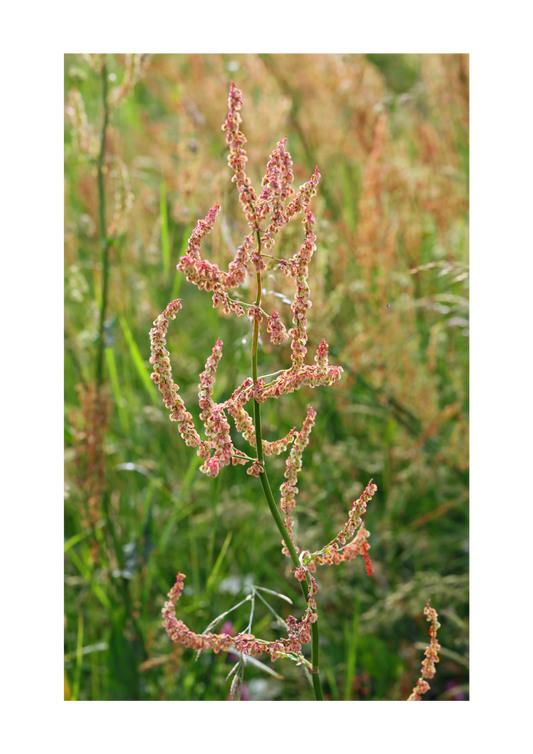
(142, 369)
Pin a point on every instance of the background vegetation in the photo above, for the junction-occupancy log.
(389, 283)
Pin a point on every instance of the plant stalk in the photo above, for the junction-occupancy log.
(270, 497)
(104, 241)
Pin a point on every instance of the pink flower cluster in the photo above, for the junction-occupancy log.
(431, 656)
(162, 376)
(290, 380)
(337, 551)
(299, 269)
(277, 187)
(298, 632)
(207, 275)
(214, 417)
(288, 489)
(237, 157)
(335, 555)
(276, 328)
(244, 425)
(218, 449)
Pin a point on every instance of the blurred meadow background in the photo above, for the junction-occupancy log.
(389, 283)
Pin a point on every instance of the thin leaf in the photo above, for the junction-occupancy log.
(234, 668)
(142, 369)
(217, 620)
(283, 596)
(253, 661)
(218, 561)
(115, 384)
(274, 613)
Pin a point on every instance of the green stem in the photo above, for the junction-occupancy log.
(271, 502)
(103, 233)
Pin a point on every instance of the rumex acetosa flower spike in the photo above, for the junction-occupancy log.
(279, 446)
(298, 632)
(218, 450)
(214, 417)
(207, 381)
(276, 185)
(191, 263)
(245, 426)
(276, 328)
(290, 380)
(302, 297)
(431, 656)
(212, 414)
(255, 469)
(237, 158)
(304, 195)
(162, 376)
(288, 489)
(243, 423)
(207, 275)
(337, 551)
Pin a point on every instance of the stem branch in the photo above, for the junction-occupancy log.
(270, 498)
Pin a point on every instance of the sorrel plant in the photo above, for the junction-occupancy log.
(267, 213)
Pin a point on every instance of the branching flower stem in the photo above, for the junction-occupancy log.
(270, 498)
(218, 450)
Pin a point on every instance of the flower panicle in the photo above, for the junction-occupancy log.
(207, 275)
(276, 185)
(207, 381)
(337, 551)
(214, 418)
(237, 158)
(245, 426)
(288, 489)
(321, 374)
(277, 447)
(243, 423)
(277, 204)
(431, 656)
(90, 425)
(305, 193)
(217, 450)
(299, 632)
(302, 296)
(276, 328)
(162, 376)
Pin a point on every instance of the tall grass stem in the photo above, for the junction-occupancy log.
(104, 242)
